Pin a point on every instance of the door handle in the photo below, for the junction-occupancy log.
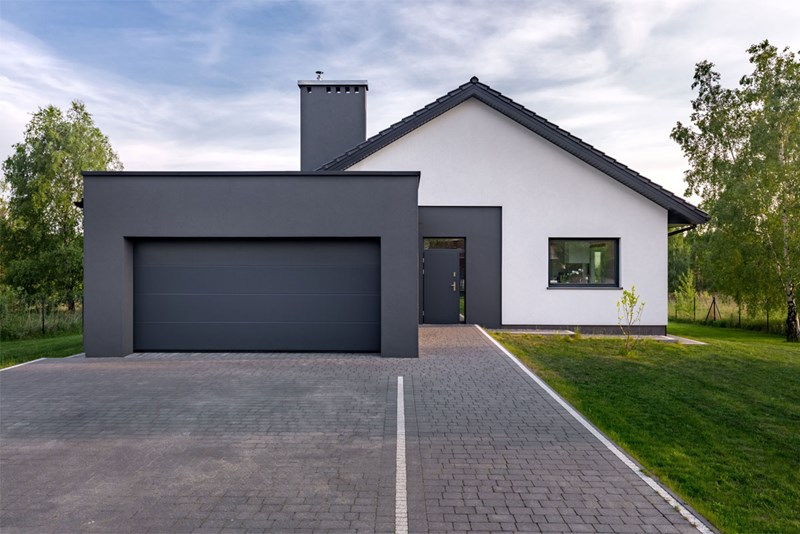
(453, 285)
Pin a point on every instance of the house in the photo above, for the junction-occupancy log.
(472, 209)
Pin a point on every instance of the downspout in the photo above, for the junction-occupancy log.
(681, 230)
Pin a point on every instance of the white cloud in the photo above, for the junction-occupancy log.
(614, 72)
(151, 126)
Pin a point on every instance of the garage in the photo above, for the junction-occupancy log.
(250, 261)
(300, 294)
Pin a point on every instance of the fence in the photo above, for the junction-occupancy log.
(722, 311)
(22, 317)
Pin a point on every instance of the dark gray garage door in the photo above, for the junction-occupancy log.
(257, 295)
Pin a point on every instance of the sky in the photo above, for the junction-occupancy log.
(212, 85)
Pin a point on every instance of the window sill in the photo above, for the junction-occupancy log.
(613, 288)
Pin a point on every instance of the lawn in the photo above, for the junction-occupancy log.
(14, 352)
(719, 424)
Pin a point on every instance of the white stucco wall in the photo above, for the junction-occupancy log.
(475, 156)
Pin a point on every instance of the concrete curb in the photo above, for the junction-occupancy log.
(21, 364)
(40, 359)
(665, 494)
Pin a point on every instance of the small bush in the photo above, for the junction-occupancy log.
(629, 313)
(686, 293)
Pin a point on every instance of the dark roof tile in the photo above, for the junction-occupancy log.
(680, 211)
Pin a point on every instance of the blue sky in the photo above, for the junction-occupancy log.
(182, 85)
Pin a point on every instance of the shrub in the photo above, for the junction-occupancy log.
(629, 313)
(686, 293)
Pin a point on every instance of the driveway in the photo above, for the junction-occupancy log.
(308, 442)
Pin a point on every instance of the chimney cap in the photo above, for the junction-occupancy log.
(351, 83)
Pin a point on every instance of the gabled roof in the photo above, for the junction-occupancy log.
(680, 211)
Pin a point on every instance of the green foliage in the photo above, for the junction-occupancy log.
(629, 313)
(686, 293)
(679, 252)
(717, 423)
(21, 317)
(42, 245)
(730, 315)
(744, 150)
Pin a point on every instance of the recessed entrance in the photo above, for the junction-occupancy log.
(444, 280)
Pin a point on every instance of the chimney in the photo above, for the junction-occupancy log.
(333, 119)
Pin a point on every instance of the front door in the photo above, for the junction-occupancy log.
(441, 284)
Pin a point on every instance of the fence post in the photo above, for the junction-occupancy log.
(694, 308)
(42, 315)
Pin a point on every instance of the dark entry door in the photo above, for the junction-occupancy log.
(257, 295)
(441, 285)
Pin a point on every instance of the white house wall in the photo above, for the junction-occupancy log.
(475, 156)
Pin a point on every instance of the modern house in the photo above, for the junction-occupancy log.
(472, 209)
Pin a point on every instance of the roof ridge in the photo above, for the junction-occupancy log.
(546, 129)
(605, 155)
(392, 127)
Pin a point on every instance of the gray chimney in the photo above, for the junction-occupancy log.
(333, 119)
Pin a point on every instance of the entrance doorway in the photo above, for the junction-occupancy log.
(444, 280)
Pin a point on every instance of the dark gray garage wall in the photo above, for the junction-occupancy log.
(482, 228)
(122, 207)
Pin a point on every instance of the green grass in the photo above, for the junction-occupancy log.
(15, 352)
(729, 315)
(27, 324)
(719, 424)
(713, 333)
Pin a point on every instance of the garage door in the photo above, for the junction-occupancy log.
(257, 295)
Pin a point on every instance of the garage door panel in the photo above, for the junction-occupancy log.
(257, 294)
(217, 337)
(250, 279)
(257, 308)
(253, 252)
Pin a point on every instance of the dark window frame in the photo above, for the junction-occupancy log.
(616, 285)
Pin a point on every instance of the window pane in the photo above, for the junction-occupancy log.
(590, 262)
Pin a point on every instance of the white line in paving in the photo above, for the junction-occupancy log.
(21, 364)
(695, 522)
(400, 490)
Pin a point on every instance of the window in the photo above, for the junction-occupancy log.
(584, 262)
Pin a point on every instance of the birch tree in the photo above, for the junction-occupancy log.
(743, 147)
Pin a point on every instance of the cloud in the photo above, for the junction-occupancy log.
(210, 85)
(151, 126)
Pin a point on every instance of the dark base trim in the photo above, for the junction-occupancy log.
(640, 330)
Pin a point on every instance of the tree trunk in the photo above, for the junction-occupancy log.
(792, 326)
(792, 321)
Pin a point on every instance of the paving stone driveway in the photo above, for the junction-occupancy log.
(294, 442)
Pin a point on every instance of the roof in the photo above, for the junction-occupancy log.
(680, 211)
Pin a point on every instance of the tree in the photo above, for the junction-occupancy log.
(679, 255)
(686, 293)
(743, 147)
(629, 314)
(42, 232)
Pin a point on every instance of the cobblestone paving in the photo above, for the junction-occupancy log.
(305, 443)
